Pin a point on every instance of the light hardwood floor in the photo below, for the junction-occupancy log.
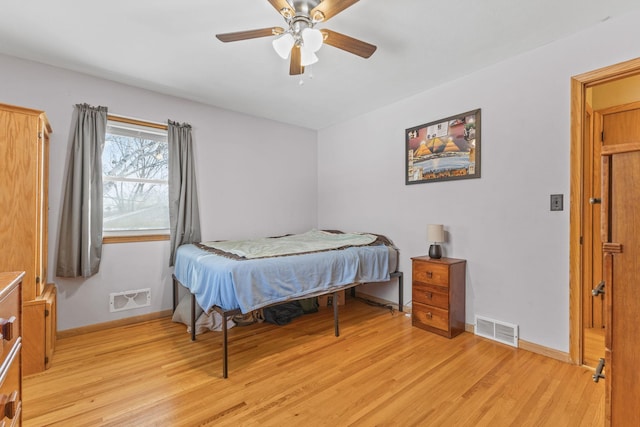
(380, 371)
(593, 346)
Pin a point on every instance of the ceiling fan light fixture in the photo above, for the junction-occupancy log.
(307, 57)
(312, 39)
(283, 44)
(299, 40)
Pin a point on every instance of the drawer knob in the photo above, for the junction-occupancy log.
(6, 328)
(429, 295)
(429, 274)
(10, 404)
(429, 314)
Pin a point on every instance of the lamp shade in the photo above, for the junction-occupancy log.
(435, 233)
(283, 44)
(307, 57)
(312, 39)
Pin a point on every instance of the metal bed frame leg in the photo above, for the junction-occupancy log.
(193, 317)
(400, 277)
(225, 368)
(225, 315)
(175, 294)
(335, 314)
(400, 292)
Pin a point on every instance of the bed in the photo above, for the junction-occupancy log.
(232, 277)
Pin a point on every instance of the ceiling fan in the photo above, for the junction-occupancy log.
(301, 40)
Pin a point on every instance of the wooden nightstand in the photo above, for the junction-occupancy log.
(438, 294)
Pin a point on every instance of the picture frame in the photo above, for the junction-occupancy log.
(443, 150)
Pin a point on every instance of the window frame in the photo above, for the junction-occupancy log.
(136, 236)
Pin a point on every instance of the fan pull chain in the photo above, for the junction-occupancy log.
(308, 69)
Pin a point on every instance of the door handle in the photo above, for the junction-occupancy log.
(595, 201)
(598, 289)
(598, 374)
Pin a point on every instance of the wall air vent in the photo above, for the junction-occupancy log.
(506, 333)
(128, 300)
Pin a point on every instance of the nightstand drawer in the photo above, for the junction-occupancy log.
(430, 316)
(431, 273)
(431, 295)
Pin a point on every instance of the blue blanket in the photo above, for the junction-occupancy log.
(253, 284)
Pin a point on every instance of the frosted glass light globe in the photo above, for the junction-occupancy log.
(282, 45)
(312, 39)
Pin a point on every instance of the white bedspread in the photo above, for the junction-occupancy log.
(311, 241)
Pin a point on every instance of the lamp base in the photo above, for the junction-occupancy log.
(435, 251)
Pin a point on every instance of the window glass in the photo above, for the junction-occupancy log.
(134, 177)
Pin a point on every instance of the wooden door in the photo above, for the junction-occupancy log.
(609, 127)
(621, 249)
(592, 263)
(620, 125)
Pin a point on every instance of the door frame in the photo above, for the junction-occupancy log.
(579, 85)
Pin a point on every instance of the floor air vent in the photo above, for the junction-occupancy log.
(506, 333)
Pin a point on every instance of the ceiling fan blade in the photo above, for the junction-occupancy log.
(296, 67)
(251, 34)
(330, 8)
(341, 41)
(283, 7)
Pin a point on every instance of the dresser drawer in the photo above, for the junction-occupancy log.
(10, 396)
(431, 273)
(431, 295)
(9, 321)
(430, 316)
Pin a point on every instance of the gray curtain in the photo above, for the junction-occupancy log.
(184, 216)
(80, 239)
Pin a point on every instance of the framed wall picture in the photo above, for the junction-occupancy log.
(444, 150)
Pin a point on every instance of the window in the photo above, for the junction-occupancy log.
(135, 181)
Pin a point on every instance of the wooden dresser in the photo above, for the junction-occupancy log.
(438, 295)
(11, 356)
(24, 172)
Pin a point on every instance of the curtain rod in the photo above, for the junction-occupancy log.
(135, 121)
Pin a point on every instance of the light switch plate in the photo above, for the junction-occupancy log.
(557, 202)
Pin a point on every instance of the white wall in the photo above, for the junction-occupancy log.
(251, 184)
(251, 181)
(517, 250)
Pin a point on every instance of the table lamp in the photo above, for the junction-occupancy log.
(435, 235)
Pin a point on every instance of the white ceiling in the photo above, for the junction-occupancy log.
(169, 46)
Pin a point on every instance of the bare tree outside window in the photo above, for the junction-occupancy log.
(135, 173)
